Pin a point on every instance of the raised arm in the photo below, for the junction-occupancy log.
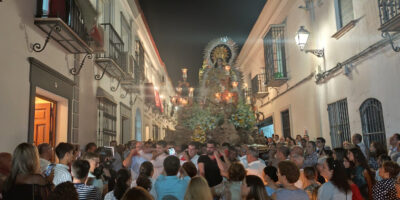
(128, 160)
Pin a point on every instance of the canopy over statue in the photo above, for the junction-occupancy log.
(219, 112)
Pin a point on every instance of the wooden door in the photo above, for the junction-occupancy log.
(42, 126)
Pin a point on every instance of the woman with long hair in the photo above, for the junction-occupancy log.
(361, 174)
(123, 182)
(340, 155)
(25, 181)
(231, 189)
(375, 150)
(253, 188)
(198, 189)
(146, 172)
(337, 187)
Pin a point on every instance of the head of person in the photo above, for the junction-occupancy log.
(252, 154)
(161, 146)
(320, 143)
(80, 170)
(91, 147)
(5, 163)
(25, 161)
(146, 169)
(310, 173)
(253, 188)
(306, 137)
(236, 172)
(276, 137)
(211, 147)
(296, 156)
(303, 143)
(377, 149)
(389, 169)
(77, 151)
(193, 149)
(198, 189)
(282, 153)
(356, 138)
(139, 146)
(298, 137)
(394, 140)
(113, 143)
(148, 147)
(171, 165)
(122, 183)
(93, 159)
(137, 193)
(65, 153)
(310, 147)
(45, 151)
(357, 157)
(335, 172)
(190, 169)
(271, 174)
(326, 152)
(144, 182)
(288, 172)
(64, 191)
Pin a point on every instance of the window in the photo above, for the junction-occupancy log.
(107, 126)
(275, 59)
(285, 123)
(373, 126)
(125, 33)
(138, 125)
(108, 11)
(339, 123)
(156, 135)
(344, 12)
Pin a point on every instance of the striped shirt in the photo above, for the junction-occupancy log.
(61, 174)
(87, 192)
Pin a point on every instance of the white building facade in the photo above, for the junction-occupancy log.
(99, 76)
(351, 88)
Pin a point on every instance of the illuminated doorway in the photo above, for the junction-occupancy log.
(44, 121)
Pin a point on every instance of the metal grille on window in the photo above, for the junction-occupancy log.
(339, 123)
(275, 59)
(285, 123)
(107, 122)
(373, 126)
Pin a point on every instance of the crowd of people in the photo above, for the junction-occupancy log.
(285, 168)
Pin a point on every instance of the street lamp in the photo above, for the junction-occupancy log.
(301, 41)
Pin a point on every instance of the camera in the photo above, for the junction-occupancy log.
(106, 160)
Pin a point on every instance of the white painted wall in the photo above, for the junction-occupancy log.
(375, 76)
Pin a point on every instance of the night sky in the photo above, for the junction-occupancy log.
(182, 28)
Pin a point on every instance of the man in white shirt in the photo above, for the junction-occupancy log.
(191, 154)
(357, 140)
(254, 166)
(65, 154)
(45, 154)
(159, 156)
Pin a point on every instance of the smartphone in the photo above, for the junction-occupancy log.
(171, 151)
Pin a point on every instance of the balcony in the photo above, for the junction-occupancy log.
(67, 23)
(389, 13)
(259, 90)
(112, 59)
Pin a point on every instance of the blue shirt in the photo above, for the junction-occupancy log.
(135, 165)
(171, 185)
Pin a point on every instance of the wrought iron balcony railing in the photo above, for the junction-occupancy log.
(389, 13)
(259, 90)
(64, 22)
(113, 58)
